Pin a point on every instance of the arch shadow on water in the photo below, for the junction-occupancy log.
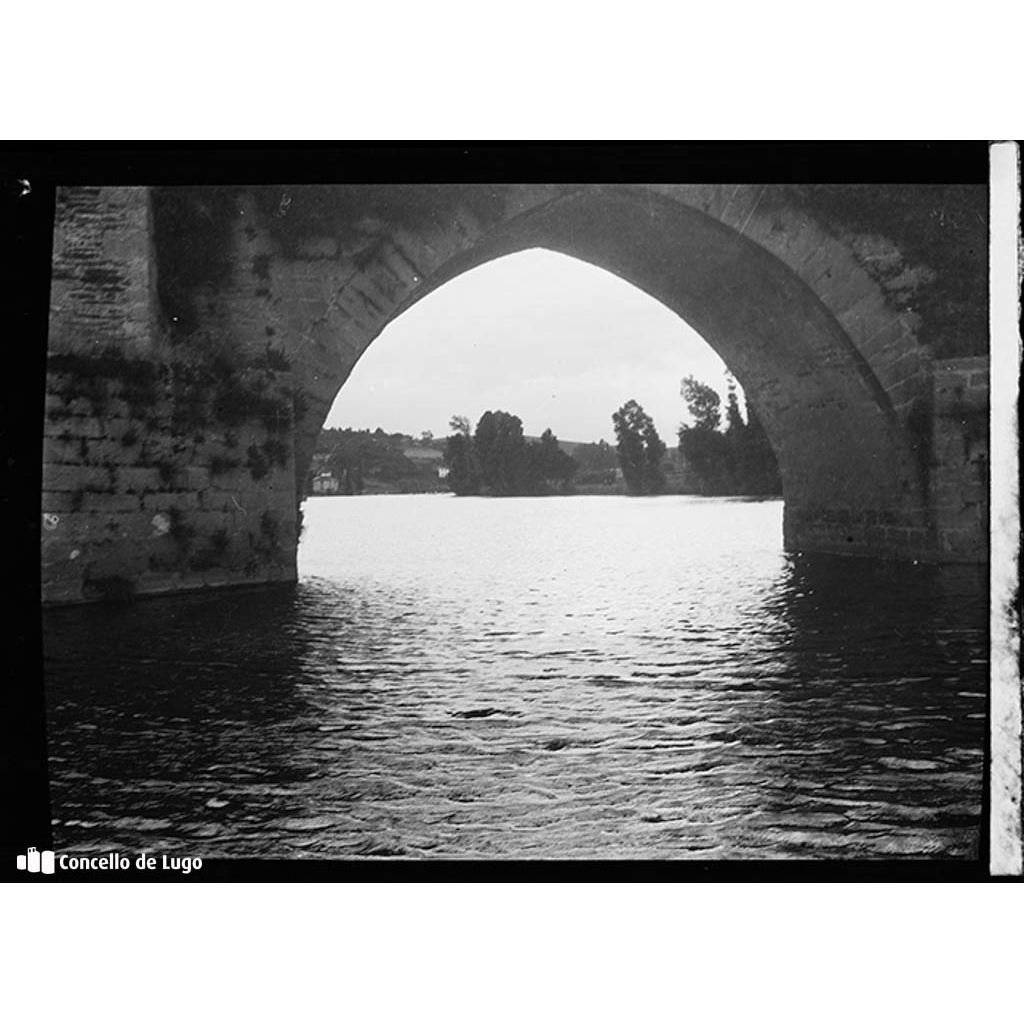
(876, 715)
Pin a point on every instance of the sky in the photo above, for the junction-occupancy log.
(555, 341)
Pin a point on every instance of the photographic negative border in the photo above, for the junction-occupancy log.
(29, 181)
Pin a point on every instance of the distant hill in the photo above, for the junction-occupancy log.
(569, 447)
(420, 453)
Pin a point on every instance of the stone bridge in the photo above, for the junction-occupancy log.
(198, 337)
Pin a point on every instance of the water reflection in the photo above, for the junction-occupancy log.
(877, 706)
(159, 709)
(555, 678)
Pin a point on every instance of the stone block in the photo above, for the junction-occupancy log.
(113, 502)
(196, 478)
(964, 542)
(217, 577)
(163, 501)
(130, 524)
(138, 479)
(60, 540)
(61, 451)
(84, 426)
(974, 493)
(324, 248)
(105, 451)
(58, 477)
(156, 445)
(214, 499)
(159, 582)
(59, 501)
(79, 408)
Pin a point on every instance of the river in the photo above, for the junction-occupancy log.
(571, 677)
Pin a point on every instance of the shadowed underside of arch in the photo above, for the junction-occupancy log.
(298, 292)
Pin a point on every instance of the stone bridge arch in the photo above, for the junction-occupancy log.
(300, 281)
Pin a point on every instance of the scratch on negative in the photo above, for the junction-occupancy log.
(728, 203)
(239, 507)
(764, 188)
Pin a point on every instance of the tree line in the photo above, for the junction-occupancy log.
(356, 457)
(713, 461)
(495, 458)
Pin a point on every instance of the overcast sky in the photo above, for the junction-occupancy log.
(557, 342)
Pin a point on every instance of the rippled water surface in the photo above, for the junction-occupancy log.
(556, 677)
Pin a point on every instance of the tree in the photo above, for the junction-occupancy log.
(596, 463)
(496, 459)
(738, 460)
(702, 448)
(499, 445)
(460, 425)
(733, 458)
(460, 458)
(702, 402)
(595, 457)
(358, 454)
(550, 468)
(640, 450)
(733, 418)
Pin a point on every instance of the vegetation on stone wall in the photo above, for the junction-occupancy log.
(272, 359)
(90, 376)
(159, 422)
(220, 465)
(266, 542)
(213, 554)
(198, 395)
(940, 268)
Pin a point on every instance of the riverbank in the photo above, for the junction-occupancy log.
(616, 489)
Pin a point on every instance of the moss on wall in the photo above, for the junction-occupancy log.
(937, 265)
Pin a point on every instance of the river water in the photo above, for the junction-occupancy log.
(578, 677)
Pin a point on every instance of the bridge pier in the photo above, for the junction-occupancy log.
(166, 467)
(959, 468)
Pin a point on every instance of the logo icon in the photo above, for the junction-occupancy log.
(34, 861)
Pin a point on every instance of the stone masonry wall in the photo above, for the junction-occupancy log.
(163, 477)
(103, 276)
(954, 527)
(167, 466)
(960, 457)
